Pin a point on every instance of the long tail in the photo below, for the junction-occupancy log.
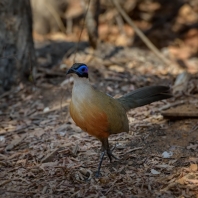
(144, 96)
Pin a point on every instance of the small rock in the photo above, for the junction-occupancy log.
(166, 154)
(154, 172)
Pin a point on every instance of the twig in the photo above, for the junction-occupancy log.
(50, 156)
(112, 186)
(57, 107)
(83, 25)
(15, 143)
(50, 72)
(5, 94)
(5, 182)
(120, 23)
(195, 127)
(135, 149)
(74, 194)
(92, 17)
(140, 34)
(14, 131)
(169, 105)
(56, 17)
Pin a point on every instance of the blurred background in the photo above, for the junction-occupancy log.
(42, 152)
(170, 25)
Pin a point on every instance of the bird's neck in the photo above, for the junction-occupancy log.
(81, 88)
(78, 81)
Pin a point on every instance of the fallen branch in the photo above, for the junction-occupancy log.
(177, 114)
(169, 105)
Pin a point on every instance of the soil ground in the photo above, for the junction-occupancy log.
(44, 154)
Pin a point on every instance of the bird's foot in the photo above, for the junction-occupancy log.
(105, 149)
(113, 148)
(110, 154)
(97, 175)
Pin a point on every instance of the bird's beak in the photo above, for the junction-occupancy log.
(70, 71)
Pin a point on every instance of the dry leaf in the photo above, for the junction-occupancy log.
(193, 167)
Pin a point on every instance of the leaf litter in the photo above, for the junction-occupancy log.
(44, 154)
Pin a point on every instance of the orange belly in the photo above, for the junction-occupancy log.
(91, 119)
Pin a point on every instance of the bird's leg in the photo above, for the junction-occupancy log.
(113, 148)
(100, 163)
(105, 149)
(109, 152)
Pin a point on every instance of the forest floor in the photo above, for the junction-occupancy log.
(44, 154)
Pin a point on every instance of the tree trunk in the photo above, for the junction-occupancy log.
(92, 20)
(17, 56)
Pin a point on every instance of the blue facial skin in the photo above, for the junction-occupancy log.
(82, 70)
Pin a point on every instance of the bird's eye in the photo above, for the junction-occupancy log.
(82, 69)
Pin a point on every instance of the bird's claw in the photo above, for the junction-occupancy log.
(110, 155)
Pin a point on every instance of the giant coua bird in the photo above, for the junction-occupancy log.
(101, 115)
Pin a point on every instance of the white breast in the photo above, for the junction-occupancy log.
(81, 93)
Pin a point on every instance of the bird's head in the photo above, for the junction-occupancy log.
(79, 69)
